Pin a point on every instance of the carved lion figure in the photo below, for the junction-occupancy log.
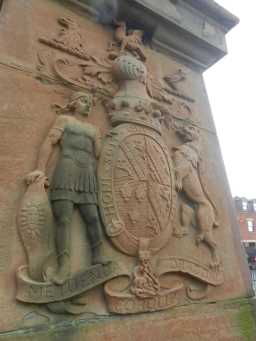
(187, 170)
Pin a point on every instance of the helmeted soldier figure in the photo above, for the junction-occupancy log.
(74, 182)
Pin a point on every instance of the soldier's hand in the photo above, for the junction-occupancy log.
(34, 176)
(178, 185)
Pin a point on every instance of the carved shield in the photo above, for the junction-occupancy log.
(136, 193)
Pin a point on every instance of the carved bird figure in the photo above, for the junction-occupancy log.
(130, 41)
(173, 79)
(35, 224)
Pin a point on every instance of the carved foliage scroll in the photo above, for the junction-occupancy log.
(83, 68)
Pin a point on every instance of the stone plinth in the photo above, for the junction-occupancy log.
(116, 218)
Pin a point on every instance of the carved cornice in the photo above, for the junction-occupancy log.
(217, 12)
(193, 31)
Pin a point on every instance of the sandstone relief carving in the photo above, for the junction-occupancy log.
(145, 282)
(89, 74)
(137, 191)
(173, 82)
(74, 181)
(69, 39)
(73, 186)
(149, 195)
(94, 73)
(36, 230)
(127, 41)
(174, 79)
(136, 177)
(136, 162)
(187, 170)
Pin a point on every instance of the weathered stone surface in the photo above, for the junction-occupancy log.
(169, 233)
(225, 321)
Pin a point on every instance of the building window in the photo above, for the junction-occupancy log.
(244, 205)
(250, 225)
(251, 244)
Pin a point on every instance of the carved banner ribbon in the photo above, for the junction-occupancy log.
(45, 292)
(123, 302)
(175, 264)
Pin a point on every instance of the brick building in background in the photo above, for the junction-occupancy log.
(246, 216)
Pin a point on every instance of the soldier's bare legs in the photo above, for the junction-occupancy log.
(90, 215)
(63, 212)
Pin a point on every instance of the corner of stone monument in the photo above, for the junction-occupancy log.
(116, 217)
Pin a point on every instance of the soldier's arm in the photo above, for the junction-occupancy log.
(52, 138)
(97, 143)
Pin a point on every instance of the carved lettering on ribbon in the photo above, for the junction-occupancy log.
(175, 264)
(125, 303)
(45, 292)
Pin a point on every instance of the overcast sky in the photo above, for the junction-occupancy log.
(231, 89)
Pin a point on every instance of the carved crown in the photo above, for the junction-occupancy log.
(142, 114)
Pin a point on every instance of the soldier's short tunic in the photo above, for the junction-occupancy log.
(74, 177)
